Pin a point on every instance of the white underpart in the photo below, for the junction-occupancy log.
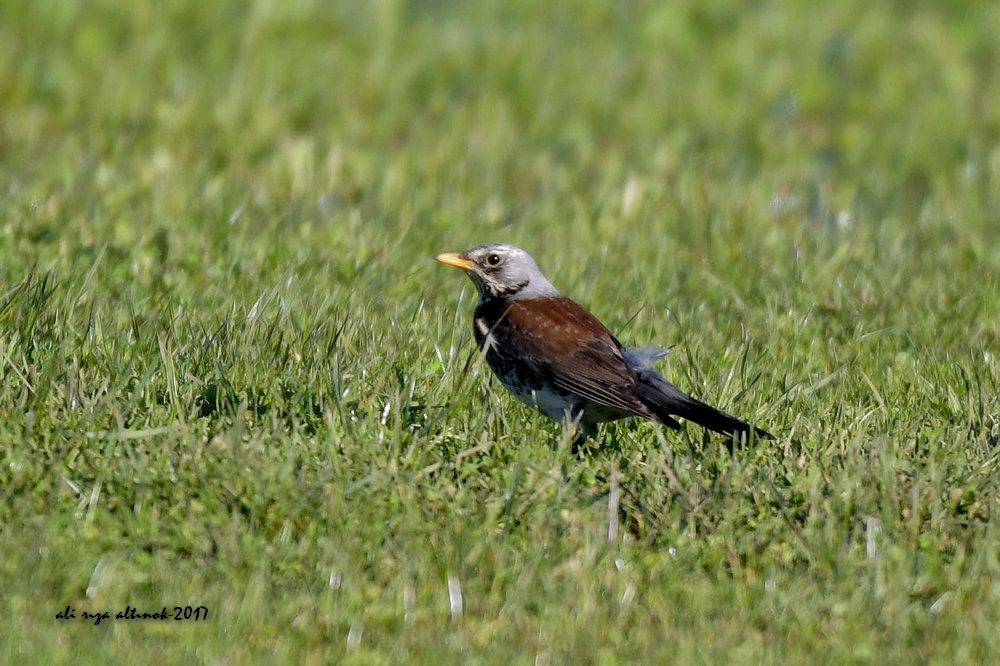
(484, 330)
(549, 403)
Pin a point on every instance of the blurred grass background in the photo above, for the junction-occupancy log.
(233, 375)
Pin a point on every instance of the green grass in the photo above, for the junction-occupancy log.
(234, 377)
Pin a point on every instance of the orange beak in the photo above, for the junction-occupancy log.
(453, 259)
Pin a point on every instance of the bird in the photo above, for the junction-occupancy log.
(554, 355)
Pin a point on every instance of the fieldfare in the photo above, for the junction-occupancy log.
(555, 356)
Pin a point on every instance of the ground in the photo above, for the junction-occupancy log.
(234, 378)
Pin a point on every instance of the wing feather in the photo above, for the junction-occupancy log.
(572, 349)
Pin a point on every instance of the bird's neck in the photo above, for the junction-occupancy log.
(537, 287)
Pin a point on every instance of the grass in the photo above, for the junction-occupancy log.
(233, 376)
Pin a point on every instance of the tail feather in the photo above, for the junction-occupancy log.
(666, 400)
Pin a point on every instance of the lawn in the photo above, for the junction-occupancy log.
(234, 379)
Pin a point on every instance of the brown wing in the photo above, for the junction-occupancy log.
(573, 349)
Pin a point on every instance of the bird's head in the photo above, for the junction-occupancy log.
(501, 271)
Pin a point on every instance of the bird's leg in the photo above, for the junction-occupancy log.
(575, 424)
(573, 427)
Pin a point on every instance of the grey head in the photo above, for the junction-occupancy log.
(502, 271)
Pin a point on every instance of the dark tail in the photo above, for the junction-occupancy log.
(666, 400)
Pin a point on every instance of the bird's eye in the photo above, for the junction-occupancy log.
(492, 259)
